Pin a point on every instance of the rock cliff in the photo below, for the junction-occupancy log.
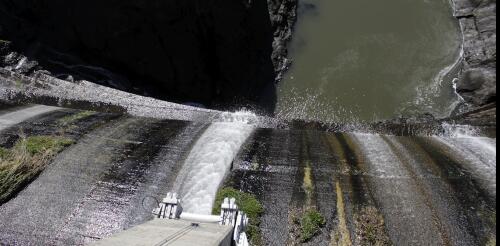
(283, 15)
(477, 82)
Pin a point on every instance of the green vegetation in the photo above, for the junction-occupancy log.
(3, 153)
(492, 241)
(249, 204)
(25, 160)
(70, 119)
(44, 144)
(310, 224)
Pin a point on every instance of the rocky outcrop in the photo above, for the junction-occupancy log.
(283, 15)
(210, 52)
(477, 82)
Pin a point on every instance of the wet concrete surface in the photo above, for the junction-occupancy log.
(274, 158)
(94, 188)
(477, 204)
(323, 169)
(416, 191)
(51, 123)
(448, 214)
(407, 217)
(408, 190)
(9, 119)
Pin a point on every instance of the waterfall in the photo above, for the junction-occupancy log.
(210, 159)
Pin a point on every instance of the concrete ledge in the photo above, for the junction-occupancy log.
(172, 232)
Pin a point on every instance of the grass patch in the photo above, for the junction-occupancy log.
(25, 160)
(4, 153)
(247, 203)
(70, 119)
(43, 144)
(310, 224)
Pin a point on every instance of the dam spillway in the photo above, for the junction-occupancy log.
(329, 122)
(436, 190)
(210, 159)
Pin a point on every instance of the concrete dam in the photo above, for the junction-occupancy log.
(370, 188)
(248, 122)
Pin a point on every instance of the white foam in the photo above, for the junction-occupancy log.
(459, 131)
(210, 160)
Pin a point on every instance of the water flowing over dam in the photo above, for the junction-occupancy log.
(210, 160)
(250, 122)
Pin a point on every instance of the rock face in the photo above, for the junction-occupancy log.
(283, 15)
(477, 82)
(210, 52)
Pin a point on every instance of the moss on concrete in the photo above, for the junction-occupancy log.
(308, 185)
(73, 118)
(341, 235)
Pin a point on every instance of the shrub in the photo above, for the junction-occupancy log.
(310, 224)
(247, 203)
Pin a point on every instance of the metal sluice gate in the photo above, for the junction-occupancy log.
(230, 215)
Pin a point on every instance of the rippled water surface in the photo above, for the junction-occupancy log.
(368, 60)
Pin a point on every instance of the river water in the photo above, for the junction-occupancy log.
(364, 60)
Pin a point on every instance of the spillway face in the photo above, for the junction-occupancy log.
(372, 189)
(106, 182)
(210, 160)
(432, 190)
